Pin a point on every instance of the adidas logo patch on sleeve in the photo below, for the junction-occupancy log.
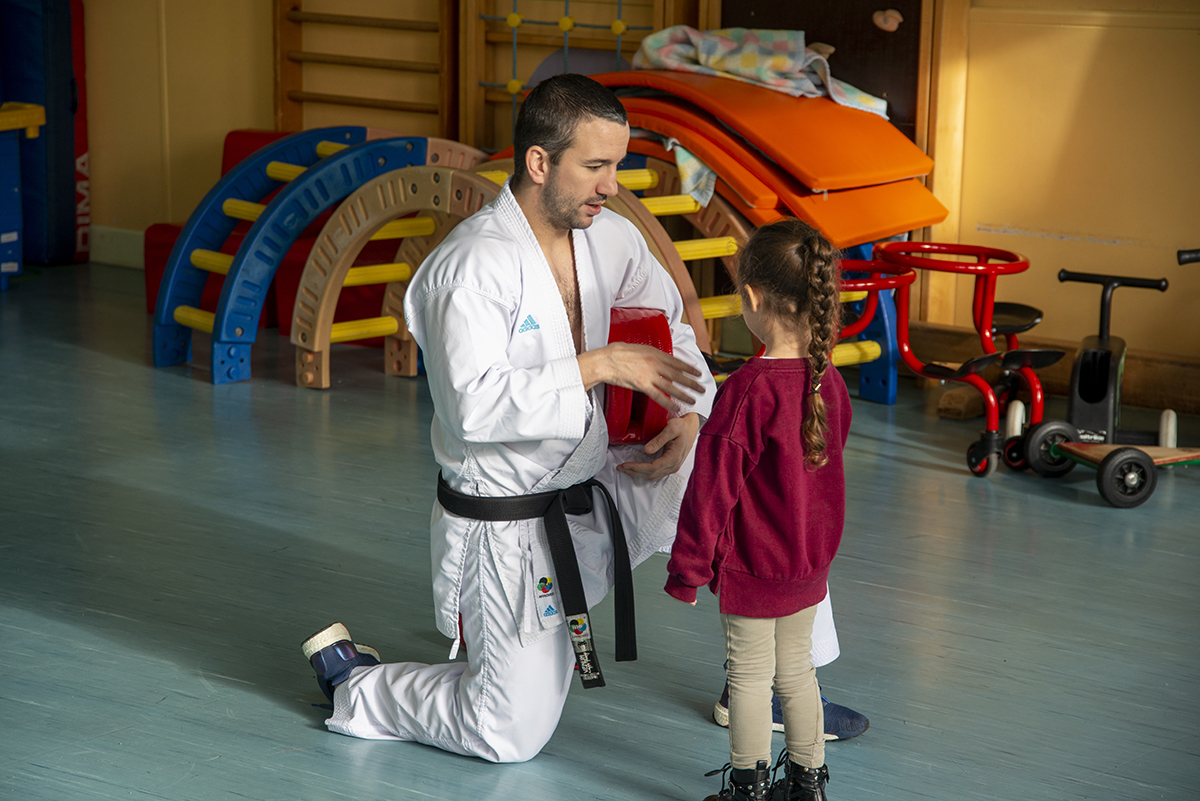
(530, 324)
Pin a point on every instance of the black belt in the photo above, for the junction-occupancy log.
(553, 507)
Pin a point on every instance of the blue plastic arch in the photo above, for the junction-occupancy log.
(285, 218)
(321, 186)
(209, 227)
(877, 379)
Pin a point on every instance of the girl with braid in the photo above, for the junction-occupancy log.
(762, 515)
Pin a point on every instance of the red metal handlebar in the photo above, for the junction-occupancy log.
(988, 261)
(883, 277)
(988, 265)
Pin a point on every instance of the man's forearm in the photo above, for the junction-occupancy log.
(593, 367)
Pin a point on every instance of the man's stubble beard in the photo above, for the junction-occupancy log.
(561, 211)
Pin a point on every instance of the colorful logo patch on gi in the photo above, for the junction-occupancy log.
(578, 626)
(550, 611)
(545, 584)
(530, 324)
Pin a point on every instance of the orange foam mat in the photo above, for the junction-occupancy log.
(853, 216)
(847, 217)
(825, 145)
(870, 213)
(731, 159)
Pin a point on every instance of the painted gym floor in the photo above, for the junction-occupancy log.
(165, 545)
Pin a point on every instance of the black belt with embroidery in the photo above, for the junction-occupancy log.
(553, 507)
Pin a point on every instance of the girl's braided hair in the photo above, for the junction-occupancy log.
(796, 270)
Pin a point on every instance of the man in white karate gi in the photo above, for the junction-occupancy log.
(512, 314)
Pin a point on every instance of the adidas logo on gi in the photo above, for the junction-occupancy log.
(550, 611)
(530, 324)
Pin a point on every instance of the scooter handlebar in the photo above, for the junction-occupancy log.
(1187, 256)
(1115, 280)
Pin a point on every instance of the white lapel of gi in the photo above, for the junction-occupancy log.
(540, 295)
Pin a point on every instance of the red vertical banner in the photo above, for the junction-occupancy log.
(83, 186)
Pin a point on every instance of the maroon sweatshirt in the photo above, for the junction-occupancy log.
(758, 525)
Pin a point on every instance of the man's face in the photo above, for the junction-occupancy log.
(576, 187)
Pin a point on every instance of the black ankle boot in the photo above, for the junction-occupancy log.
(804, 784)
(745, 784)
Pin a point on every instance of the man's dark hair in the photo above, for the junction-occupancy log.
(553, 110)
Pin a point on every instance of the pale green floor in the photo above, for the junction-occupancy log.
(166, 544)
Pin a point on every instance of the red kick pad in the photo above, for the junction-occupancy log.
(631, 416)
(825, 145)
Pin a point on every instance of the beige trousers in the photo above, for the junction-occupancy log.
(773, 651)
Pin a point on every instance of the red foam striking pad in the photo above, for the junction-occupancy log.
(631, 416)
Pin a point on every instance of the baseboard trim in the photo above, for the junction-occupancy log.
(1152, 380)
(118, 246)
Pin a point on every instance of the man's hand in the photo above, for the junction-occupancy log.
(662, 377)
(675, 441)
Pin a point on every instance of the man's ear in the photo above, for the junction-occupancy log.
(537, 164)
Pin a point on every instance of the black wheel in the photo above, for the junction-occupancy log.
(980, 465)
(1126, 477)
(1038, 442)
(1014, 453)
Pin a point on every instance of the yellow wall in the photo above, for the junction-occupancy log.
(166, 80)
(1079, 147)
(1080, 152)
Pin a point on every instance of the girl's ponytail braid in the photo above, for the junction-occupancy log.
(821, 258)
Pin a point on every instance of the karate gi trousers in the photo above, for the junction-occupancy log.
(504, 703)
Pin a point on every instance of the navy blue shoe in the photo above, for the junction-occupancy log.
(841, 723)
(333, 655)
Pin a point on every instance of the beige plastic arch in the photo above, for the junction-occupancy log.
(630, 206)
(718, 218)
(448, 153)
(445, 194)
(438, 152)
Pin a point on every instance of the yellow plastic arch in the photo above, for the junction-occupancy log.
(211, 260)
(668, 205)
(194, 318)
(856, 352)
(353, 330)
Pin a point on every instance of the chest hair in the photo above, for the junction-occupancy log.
(562, 265)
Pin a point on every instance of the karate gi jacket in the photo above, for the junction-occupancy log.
(511, 414)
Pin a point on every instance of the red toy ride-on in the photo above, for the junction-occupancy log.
(991, 320)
